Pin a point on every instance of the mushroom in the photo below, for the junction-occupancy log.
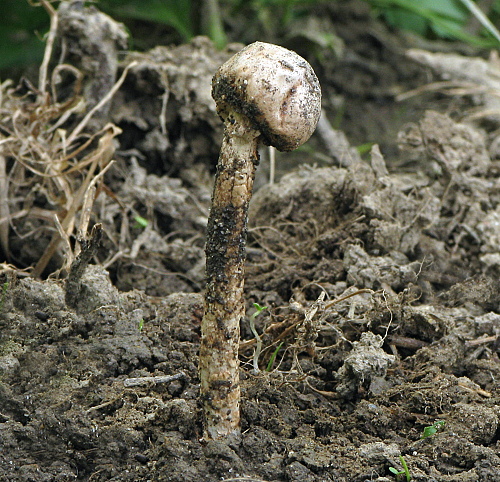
(263, 93)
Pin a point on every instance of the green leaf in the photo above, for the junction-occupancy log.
(405, 20)
(446, 8)
(258, 307)
(446, 19)
(432, 429)
(364, 148)
(19, 25)
(174, 13)
(270, 363)
(140, 222)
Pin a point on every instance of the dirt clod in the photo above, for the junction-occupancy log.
(380, 278)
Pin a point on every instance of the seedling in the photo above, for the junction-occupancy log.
(141, 324)
(263, 93)
(273, 357)
(140, 222)
(258, 340)
(258, 310)
(432, 429)
(400, 473)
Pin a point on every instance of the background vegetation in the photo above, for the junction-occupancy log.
(151, 22)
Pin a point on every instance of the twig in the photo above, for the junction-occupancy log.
(142, 381)
(89, 249)
(103, 405)
(4, 208)
(44, 67)
(481, 341)
(350, 295)
(244, 479)
(272, 164)
(406, 342)
(70, 256)
(101, 157)
(450, 87)
(104, 100)
(88, 201)
(336, 143)
(474, 389)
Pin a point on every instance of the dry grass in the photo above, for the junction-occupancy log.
(50, 174)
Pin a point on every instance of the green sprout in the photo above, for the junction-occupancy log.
(364, 148)
(400, 473)
(140, 222)
(141, 324)
(432, 429)
(258, 340)
(446, 19)
(270, 364)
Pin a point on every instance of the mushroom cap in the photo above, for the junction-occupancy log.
(275, 88)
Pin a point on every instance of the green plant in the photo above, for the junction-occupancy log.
(258, 340)
(482, 18)
(445, 19)
(186, 17)
(400, 473)
(432, 429)
(22, 27)
(272, 14)
(140, 222)
(270, 363)
(19, 24)
(141, 324)
(66, 166)
(174, 13)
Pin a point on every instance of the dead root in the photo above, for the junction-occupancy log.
(50, 174)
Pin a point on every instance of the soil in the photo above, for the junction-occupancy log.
(380, 277)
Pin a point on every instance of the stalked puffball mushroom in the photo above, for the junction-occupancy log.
(263, 93)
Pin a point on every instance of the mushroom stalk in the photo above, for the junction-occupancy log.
(225, 271)
(267, 93)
